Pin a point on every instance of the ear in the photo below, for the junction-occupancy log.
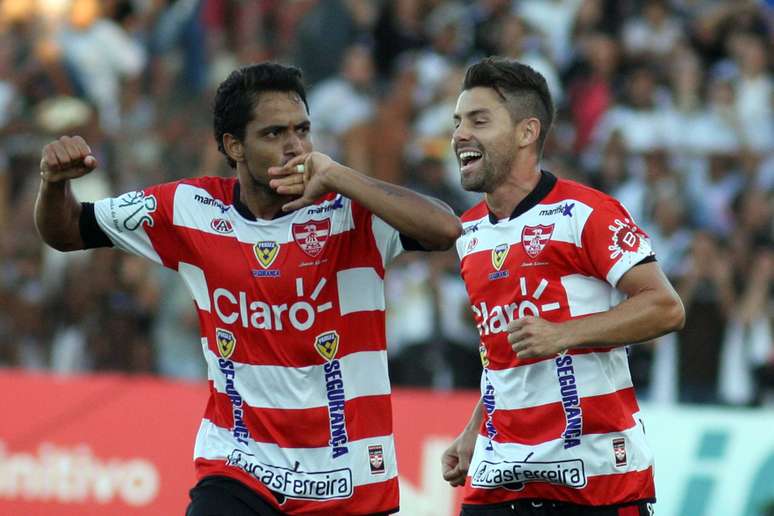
(233, 147)
(528, 131)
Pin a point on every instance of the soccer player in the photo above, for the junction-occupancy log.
(560, 279)
(285, 264)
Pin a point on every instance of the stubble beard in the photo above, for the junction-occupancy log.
(491, 174)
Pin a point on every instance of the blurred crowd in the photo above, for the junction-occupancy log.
(668, 105)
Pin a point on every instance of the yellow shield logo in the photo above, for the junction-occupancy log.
(226, 342)
(484, 357)
(327, 344)
(498, 255)
(266, 252)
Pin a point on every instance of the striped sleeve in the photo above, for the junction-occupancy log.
(140, 222)
(612, 243)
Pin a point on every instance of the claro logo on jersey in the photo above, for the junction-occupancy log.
(238, 309)
(226, 342)
(327, 345)
(495, 319)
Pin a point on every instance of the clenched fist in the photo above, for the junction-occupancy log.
(69, 157)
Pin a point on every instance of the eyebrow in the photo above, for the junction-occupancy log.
(282, 127)
(473, 113)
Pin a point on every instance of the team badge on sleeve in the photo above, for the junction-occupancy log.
(625, 238)
(619, 451)
(327, 344)
(498, 255)
(312, 235)
(226, 342)
(376, 459)
(535, 238)
(266, 252)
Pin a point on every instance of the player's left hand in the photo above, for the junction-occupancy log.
(533, 337)
(303, 177)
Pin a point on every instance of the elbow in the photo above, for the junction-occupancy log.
(674, 314)
(447, 235)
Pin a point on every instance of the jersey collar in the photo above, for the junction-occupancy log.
(244, 211)
(543, 188)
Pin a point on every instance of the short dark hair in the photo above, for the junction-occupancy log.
(523, 90)
(237, 95)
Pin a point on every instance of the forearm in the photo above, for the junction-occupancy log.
(426, 220)
(642, 317)
(57, 212)
(475, 419)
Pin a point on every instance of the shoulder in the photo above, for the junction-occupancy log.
(475, 213)
(221, 188)
(566, 190)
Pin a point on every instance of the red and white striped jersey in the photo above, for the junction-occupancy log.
(565, 428)
(292, 323)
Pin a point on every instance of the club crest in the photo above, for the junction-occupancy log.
(226, 342)
(499, 254)
(266, 252)
(327, 344)
(312, 235)
(535, 238)
(376, 459)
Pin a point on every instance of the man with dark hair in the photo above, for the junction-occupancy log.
(560, 279)
(285, 264)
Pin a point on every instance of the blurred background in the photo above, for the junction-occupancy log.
(667, 105)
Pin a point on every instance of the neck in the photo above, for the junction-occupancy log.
(261, 200)
(522, 179)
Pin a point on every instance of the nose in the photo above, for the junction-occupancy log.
(293, 145)
(460, 135)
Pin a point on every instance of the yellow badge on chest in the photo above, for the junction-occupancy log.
(499, 254)
(266, 252)
(327, 344)
(226, 342)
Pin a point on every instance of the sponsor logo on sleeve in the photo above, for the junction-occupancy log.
(327, 345)
(312, 235)
(535, 238)
(295, 482)
(376, 459)
(132, 210)
(619, 451)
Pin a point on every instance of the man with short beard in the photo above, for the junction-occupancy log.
(560, 280)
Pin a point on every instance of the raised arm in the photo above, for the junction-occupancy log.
(57, 211)
(428, 221)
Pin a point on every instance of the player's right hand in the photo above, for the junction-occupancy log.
(69, 157)
(455, 461)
